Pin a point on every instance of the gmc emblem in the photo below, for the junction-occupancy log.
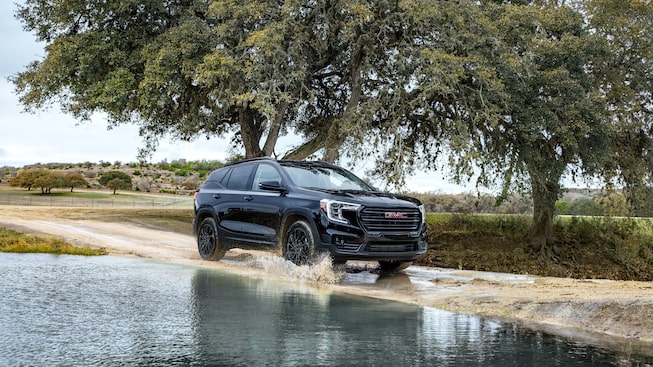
(395, 215)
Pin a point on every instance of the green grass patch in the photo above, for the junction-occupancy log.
(90, 198)
(585, 247)
(11, 241)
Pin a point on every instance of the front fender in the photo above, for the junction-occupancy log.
(295, 214)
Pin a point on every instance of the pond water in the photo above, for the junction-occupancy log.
(95, 311)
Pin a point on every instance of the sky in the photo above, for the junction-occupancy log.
(51, 136)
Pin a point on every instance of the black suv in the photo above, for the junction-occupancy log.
(303, 208)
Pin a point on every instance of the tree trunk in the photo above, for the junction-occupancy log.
(335, 137)
(273, 132)
(250, 132)
(540, 236)
(305, 149)
(333, 143)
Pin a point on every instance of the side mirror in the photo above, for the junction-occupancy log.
(272, 186)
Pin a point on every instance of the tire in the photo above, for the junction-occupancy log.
(208, 243)
(299, 244)
(392, 265)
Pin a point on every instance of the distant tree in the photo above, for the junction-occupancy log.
(585, 206)
(75, 180)
(49, 181)
(27, 177)
(118, 183)
(116, 180)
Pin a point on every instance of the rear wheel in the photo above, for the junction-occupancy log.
(208, 243)
(299, 243)
(390, 265)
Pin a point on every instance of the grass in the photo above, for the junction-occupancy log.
(586, 247)
(11, 241)
(90, 198)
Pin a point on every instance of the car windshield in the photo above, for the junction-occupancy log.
(321, 177)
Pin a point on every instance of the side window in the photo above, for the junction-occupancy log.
(265, 172)
(240, 177)
(215, 178)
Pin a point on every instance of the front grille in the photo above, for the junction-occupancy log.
(390, 247)
(389, 220)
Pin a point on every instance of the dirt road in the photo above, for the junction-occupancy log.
(613, 314)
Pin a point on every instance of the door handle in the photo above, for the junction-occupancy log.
(248, 198)
(217, 196)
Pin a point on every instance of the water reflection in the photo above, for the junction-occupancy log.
(79, 311)
(281, 325)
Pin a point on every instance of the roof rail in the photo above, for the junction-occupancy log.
(252, 159)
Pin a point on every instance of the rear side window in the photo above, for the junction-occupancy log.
(239, 177)
(215, 178)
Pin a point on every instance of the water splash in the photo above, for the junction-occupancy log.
(321, 271)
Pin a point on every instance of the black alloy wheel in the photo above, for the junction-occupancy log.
(299, 244)
(208, 243)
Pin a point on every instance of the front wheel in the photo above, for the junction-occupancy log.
(299, 244)
(208, 243)
(391, 265)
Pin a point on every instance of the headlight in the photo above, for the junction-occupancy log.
(335, 210)
(422, 210)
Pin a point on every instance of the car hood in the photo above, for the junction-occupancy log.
(373, 198)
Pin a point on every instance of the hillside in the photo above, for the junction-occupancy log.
(178, 177)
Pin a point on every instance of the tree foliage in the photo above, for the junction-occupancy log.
(75, 180)
(191, 68)
(624, 79)
(518, 94)
(116, 180)
(26, 178)
(44, 179)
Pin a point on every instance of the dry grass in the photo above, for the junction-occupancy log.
(11, 241)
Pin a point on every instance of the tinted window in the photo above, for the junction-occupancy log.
(325, 178)
(265, 172)
(240, 177)
(217, 175)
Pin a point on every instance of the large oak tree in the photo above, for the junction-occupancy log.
(189, 68)
(625, 79)
(517, 92)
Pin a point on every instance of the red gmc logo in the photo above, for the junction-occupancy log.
(395, 215)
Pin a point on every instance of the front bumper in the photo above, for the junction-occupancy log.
(349, 243)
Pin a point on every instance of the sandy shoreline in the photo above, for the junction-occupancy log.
(613, 314)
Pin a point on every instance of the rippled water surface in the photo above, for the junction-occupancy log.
(83, 311)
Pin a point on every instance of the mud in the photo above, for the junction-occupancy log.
(613, 314)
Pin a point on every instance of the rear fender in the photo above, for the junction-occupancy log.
(199, 217)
